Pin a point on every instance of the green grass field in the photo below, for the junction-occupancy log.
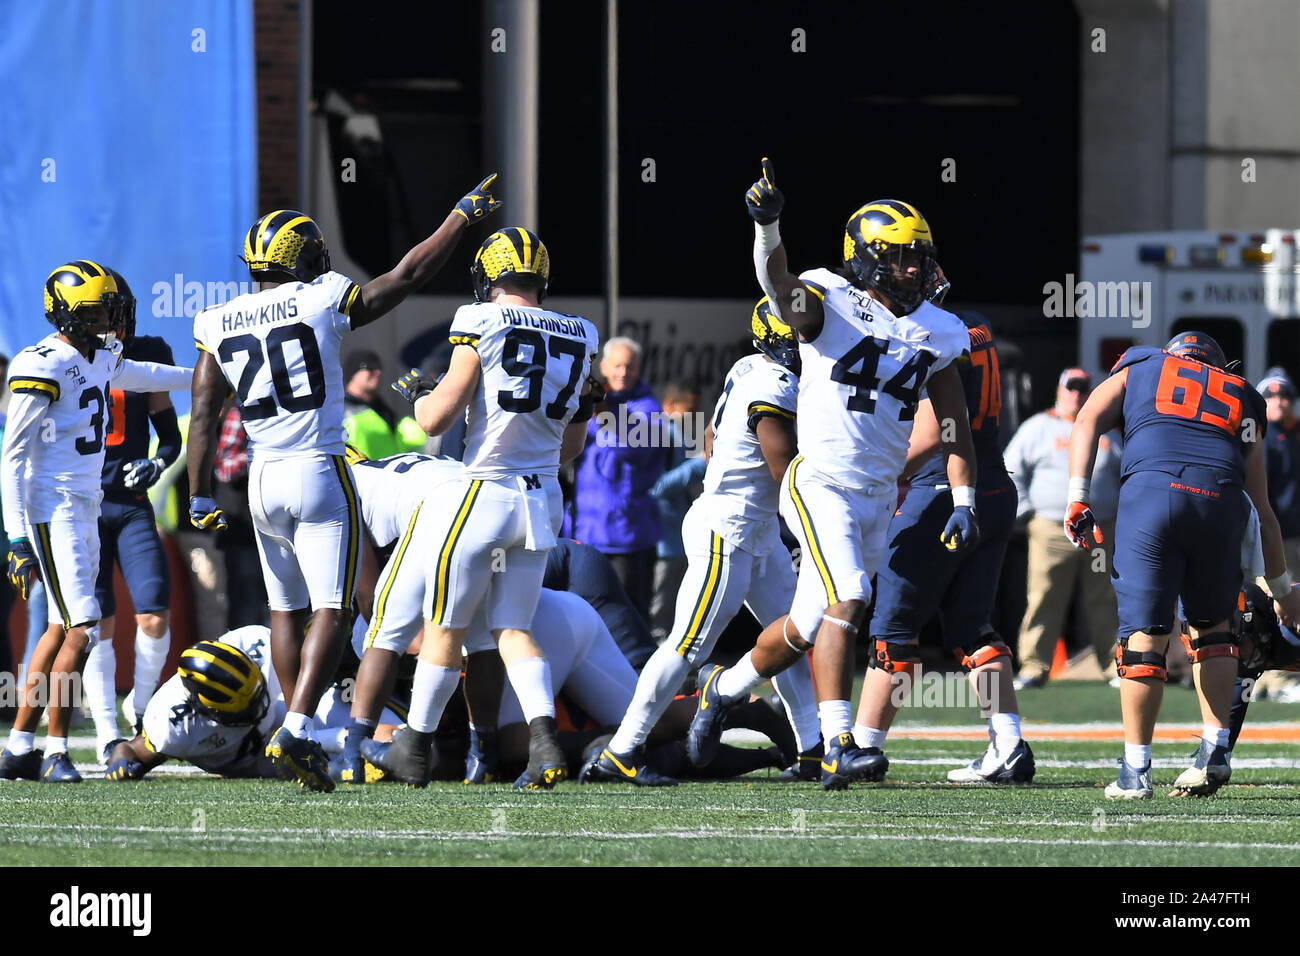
(915, 818)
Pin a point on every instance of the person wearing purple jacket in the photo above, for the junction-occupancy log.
(614, 511)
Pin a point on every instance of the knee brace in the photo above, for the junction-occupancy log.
(1214, 644)
(1135, 664)
(989, 650)
(894, 658)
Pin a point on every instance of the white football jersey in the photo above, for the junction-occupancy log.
(534, 364)
(173, 727)
(67, 453)
(740, 494)
(392, 488)
(279, 350)
(861, 379)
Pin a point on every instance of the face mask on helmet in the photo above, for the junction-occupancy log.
(83, 301)
(774, 338)
(905, 275)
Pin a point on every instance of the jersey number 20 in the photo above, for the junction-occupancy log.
(250, 345)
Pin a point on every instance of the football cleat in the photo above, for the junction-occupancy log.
(1131, 785)
(355, 771)
(408, 759)
(1015, 767)
(846, 762)
(1029, 683)
(546, 763)
(58, 768)
(481, 758)
(300, 759)
(21, 766)
(605, 766)
(706, 727)
(1210, 772)
(806, 766)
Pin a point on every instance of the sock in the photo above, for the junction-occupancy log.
(1137, 756)
(150, 656)
(298, 724)
(56, 745)
(869, 736)
(836, 718)
(531, 680)
(21, 742)
(795, 687)
(430, 690)
(1006, 731)
(1215, 736)
(737, 681)
(655, 688)
(331, 739)
(97, 679)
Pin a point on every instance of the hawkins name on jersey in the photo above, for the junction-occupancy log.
(740, 495)
(862, 377)
(279, 350)
(534, 363)
(172, 726)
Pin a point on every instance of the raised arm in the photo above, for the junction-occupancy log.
(133, 376)
(792, 302)
(384, 293)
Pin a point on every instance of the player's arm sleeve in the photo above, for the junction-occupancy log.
(345, 293)
(167, 429)
(152, 377)
(466, 327)
(26, 410)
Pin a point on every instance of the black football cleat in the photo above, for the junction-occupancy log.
(300, 759)
(21, 766)
(806, 766)
(845, 762)
(706, 728)
(408, 759)
(605, 766)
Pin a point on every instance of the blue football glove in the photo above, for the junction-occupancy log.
(205, 515)
(962, 529)
(414, 385)
(120, 770)
(764, 199)
(479, 203)
(23, 569)
(142, 473)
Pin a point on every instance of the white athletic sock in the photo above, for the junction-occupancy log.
(531, 680)
(56, 745)
(97, 681)
(655, 688)
(1006, 731)
(21, 742)
(298, 724)
(795, 687)
(1137, 756)
(836, 718)
(150, 656)
(430, 690)
(737, 681)
(1215, 736)
(869, 736)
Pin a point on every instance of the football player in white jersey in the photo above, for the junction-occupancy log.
(869, 342)
(278, 349)
(52, 460)
(733, 547)
(521, 371)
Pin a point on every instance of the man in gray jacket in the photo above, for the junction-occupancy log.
(1038, 459)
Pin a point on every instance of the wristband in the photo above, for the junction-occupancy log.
(963, 497)
(1280, 585)
(1080, 489)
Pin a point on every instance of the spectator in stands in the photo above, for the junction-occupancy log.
(613, 510)
(679, 486)
(1038, 459)
(371, 426)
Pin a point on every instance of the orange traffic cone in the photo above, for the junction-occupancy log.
(1060, 660)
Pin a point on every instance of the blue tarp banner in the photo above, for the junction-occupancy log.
(129, 138)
